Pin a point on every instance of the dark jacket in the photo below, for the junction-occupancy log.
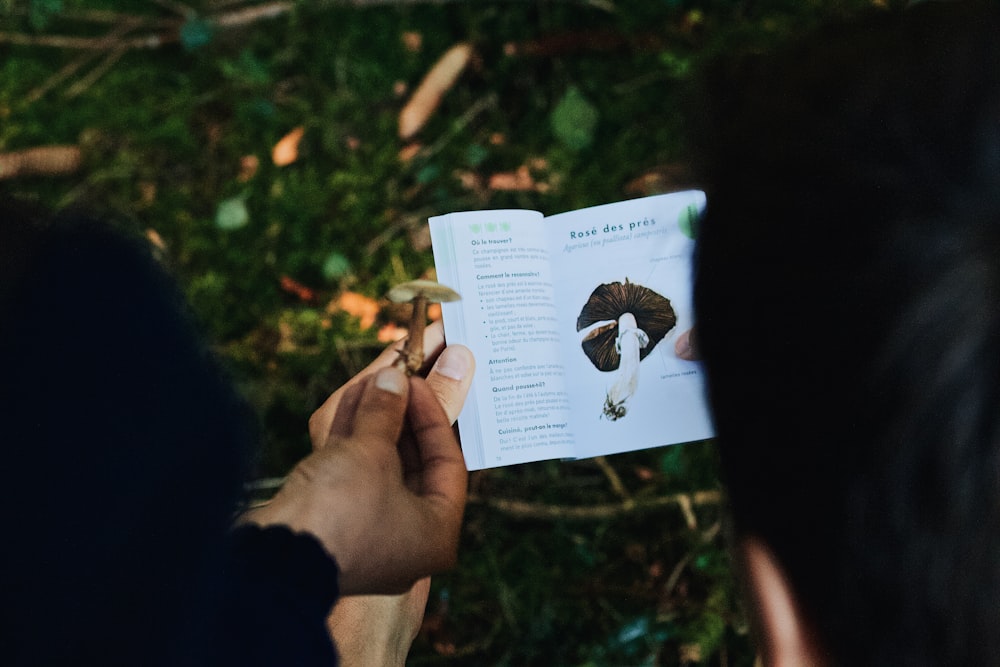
(124, 451)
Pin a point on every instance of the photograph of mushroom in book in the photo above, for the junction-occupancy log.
(621, 324)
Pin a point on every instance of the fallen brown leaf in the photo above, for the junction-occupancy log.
(286, 340)
(644, 473)
(538, 163)
(470, 180)
(154, 237)
(420, 237)
(523, 179)
(409, 151)
(248, 168)
(662, 178)
(514, 181)
(412, 41)
(297, 289)
(390, 333)
(286, 151)
(357, 305)
(40, 161)
(426, 98)
(147, 192)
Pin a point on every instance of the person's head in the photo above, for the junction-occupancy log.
(848, 307)
(124, 446)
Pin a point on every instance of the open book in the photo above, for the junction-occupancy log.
(572, 319)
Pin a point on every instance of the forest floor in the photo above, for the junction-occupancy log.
(262, 149)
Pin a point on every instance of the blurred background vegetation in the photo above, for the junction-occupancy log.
(257, 146)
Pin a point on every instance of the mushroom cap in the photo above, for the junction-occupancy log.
(435, 292)
(653, 314)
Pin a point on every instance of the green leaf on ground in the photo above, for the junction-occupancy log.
(336, 266)
(195, 33)
(574, 120)
(232, 213)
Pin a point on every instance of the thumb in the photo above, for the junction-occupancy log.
(451, 377)
(378, 415)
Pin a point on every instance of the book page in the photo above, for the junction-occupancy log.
(517, 409)
(627, 387)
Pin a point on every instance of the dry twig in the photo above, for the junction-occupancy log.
(40, 161)
(123, 27)
(613, 478)
(529, 510)
(675, 574)
(169, 33)
(100, 70)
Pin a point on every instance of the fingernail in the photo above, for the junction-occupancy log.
(391, 380)
(452, 364)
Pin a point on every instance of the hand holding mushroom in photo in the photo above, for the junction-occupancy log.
(686, 347)
(622, 323)
(418, 293)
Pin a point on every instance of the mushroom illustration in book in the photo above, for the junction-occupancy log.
(622, 323)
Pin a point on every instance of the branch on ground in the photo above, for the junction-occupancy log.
(530, 510)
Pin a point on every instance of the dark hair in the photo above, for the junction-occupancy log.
(848, 306)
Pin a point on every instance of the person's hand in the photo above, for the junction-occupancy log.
(378, 630)
(387, 508)
(448, 372)
(685, 347)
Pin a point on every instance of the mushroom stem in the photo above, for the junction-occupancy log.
(419, 293)
(411, 358)
(631, 339)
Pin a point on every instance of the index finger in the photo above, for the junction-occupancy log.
(381, 408)
(444, 476)
(322, 418)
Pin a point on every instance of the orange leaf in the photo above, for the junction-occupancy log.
(147, 192)
(409, 151)
(434, 312)
(470, 180)
(358, 305)
(286, 151)
(248, 167)
(295, 288)
(154, 237)
(644, 473)
(519, 180)
(390, 333)
(412, 41)
(439, 79)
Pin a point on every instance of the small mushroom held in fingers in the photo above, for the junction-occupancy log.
(418, 293)
(622, 323)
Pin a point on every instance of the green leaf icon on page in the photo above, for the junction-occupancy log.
(687, 221)
(475, 229)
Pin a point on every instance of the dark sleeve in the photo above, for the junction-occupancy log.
(279, 589)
